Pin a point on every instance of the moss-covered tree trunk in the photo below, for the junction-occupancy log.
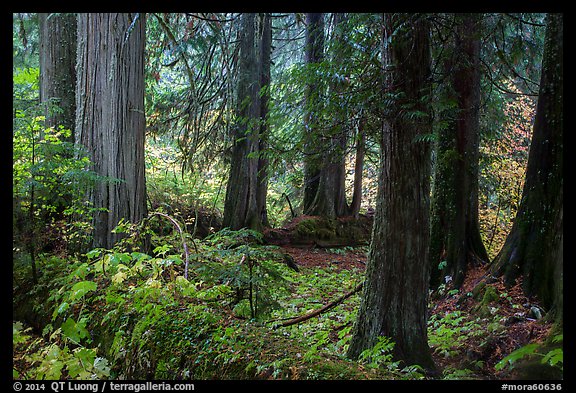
(240, 206)
(58, 69)
(531, 248)
(110, 119)
(455, 229)
(394, 302)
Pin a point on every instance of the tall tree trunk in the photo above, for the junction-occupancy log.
(358, 169)
(57, 69)
(312, 157)
(240, 206)
(339, 139)
(265, 36)
(110, 119)
(531, 248)
(558, 305)
(394, 302)
(455, 228)
(57, 54)
(330, 198)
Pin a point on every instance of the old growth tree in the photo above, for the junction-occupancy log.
(245, 204)
(394, 301)
(110, 119)
(57, 68)
(455, 233)
(533, 248)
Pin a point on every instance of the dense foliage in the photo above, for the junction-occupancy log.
(181, 297)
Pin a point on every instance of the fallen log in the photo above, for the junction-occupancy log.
(325, 308)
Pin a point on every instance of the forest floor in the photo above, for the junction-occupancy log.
(470, 330)
(505, 325)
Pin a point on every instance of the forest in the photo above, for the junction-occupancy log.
(287, 196)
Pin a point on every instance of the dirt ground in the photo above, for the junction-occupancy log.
(512, 311)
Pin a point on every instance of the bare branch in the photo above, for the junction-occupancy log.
(175, 223)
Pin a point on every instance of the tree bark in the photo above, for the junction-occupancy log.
(531, 248)
(57, 69)
(394, 302)
(265, 34)
(358, 169)
(455, 229)
(330, 198)
(241, 207)
(57, 55)
(313, 97)
(110, 119)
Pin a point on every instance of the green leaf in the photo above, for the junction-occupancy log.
(101, 367)
(52, 364)
(85, 355)
(63, 307)
(82, 288)
(138, 256)
(162, 250)
(554, 357)
(120, 276)
(69, 330)
(77, 364)
(26, 76)
(516, 355)
(120, 257)
(95, 253)
(82, 271)
(74, 331)
(17, 327)
(47, 329)
(18, 331)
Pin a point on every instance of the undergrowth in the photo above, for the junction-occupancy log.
(122, 313)
(128, 314)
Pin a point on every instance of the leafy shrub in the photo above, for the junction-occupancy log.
(448, 333)
(553, 357)
(61, 357)
(379, 354)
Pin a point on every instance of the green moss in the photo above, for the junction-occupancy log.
(315, 228)
(489, 296)
(306, 228)
(341, 231)
(478, 290)
(170, 332)
(325, 234)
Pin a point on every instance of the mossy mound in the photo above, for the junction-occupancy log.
(486, 295)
